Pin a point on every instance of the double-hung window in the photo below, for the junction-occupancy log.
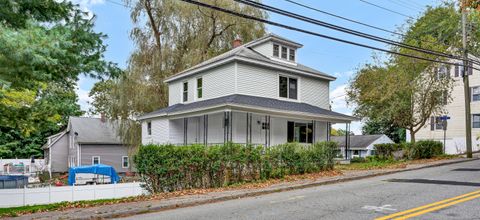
(476, 121)
(288, 87)
(95, 160)
(125, 161)
(276, 50)
(291, 55)
(149, 128)
(299, 132)
(199, 88)
(185, 91)
(284, 52)
(476, 94)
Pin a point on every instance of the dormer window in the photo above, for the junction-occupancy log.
(276, 50)
(284, 52)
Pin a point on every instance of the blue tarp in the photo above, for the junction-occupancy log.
(95, 169)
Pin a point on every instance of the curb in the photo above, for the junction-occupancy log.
(264, 192)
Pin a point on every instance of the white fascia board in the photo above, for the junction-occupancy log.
(247, 60)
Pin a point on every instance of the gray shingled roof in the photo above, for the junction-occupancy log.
(246, 100)
(247, 52)
(357, 141)
(93, 130)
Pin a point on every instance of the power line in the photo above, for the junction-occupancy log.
(311, 33)
(346, 19)
(361, 23)
(386, 9)
(402, 4)
(345, 30)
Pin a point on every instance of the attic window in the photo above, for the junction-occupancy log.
(276, 50)
(284, 52)
(291, 56)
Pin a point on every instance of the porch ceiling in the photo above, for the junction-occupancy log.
(252, 104)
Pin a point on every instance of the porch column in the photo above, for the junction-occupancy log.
(267, 130)
(205, 130)
(347, 139)
(227, 126)
(313, 131)
(329, 130)
(185, 131)
(248, 132)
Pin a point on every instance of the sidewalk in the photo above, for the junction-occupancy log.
(127, 209)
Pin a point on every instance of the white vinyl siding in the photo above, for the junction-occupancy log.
(160, 130)
(219, 81)
(315, 92)
(174, 92)
(265, 49)
(257, 81)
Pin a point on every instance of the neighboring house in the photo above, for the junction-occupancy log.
(362, 145)
(256, 93)
(455, 130)
(86, 141)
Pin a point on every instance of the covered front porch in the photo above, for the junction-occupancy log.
(243, 120)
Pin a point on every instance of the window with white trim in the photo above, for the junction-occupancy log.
(299, 132)
(199, 88)
(288, 87)
(125, 162)
(476, 121)
(276, 50)
(95, 160)
(475, 94)
(185, 91)
(284, 52)
(291, 55)
(149, 128)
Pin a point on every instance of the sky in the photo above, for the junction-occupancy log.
(335, 58)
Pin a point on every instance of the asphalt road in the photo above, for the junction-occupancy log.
(362, 199)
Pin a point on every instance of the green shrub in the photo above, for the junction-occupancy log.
(358, 160)
(386, 150)
(423, 149)
(169, 168)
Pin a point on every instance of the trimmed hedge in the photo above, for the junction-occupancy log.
(166, 168)
(423, 149)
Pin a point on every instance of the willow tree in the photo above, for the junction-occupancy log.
(169, 36)
(407, 91)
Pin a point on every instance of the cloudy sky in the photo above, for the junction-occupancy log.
(337, 59)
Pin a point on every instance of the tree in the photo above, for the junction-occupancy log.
(44, 47)
(382, 126)
(339, 132)
(407, 91)
(169, 36)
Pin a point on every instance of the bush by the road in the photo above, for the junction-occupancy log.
(169, 168)
(423, 149)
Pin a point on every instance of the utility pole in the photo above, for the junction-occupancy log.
(466, 84)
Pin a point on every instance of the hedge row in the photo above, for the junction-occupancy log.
(423, 149)
(169, 168)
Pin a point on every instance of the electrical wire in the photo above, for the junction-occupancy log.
(346, 30)
(314, 33)
(364, 24)
(386, 9)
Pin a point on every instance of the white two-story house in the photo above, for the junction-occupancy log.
(256, 93)
(455, 141)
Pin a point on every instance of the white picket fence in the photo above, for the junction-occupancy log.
(46, 195)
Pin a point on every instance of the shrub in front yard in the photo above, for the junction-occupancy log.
(386, 150)
(423, 149)
(169, 168)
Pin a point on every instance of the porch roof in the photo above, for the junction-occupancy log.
(253, 103)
